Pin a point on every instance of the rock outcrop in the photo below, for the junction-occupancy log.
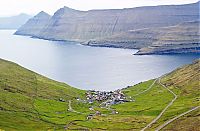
(34, 25)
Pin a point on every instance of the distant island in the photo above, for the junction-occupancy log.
(170, 29)
(13, 22)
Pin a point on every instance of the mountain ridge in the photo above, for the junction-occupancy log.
(72, 25)
(84, 23)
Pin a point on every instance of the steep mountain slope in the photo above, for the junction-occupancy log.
(181, 38)
(13, 22)
(70, 24)
(29, 101)
(34, 25)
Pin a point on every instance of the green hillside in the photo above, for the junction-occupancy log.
(29, 101)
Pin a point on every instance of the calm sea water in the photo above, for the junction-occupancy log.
(86, 67)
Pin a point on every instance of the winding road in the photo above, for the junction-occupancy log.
(159, 116)
(173, 119)
(163, 111)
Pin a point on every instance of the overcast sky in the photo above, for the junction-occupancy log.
(14, 7)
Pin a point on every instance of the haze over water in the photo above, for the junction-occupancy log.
(86, 67)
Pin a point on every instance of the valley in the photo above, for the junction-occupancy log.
(37, 99)
(100, 66)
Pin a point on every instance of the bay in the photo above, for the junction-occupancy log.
(86, 67)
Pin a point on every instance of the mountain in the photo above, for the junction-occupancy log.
(13, 22)
(178, 39)
(29, 101)
(70, 24)
(34, 25)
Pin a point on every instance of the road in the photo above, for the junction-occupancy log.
(147, 88)
(71, 109)
(163, 111)
(173, 119)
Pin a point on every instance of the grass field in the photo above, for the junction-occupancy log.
(29, 101)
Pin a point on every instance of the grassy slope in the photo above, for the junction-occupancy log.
(133, 115)
(189, 122)
(185, 83)
(29, 101)
(136, 115)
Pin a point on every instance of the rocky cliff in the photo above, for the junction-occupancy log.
(153, 30)
(70, 24)
(34, 25)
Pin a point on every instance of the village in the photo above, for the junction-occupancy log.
(106, 99)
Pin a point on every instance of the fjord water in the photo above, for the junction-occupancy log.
(86, 67)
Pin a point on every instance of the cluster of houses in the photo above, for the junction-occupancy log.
(107, 98)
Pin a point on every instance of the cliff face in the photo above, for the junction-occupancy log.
(70, 24)
(34, 25)
(181, 38)
(153, 30)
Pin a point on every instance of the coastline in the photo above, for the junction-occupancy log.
(192, 50)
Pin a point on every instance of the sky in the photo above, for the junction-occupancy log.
(14, 7)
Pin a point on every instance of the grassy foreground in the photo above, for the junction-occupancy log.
(29, 101)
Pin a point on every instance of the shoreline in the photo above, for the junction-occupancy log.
(180, 51)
